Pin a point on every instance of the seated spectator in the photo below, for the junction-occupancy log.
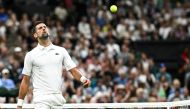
(140, 94)
(186, 95)
(101, 87)
(122, 76)
(176, 85)
(177, 96)
(119, 94)
(7, 86)
(163, 73)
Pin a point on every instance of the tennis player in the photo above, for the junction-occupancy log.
(44, 66)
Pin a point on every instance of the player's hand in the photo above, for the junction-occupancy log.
(19, 107)
(86, 83)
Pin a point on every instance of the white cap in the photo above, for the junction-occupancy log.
(122, 70)
(98, 94)
(121, 86)
(142, 78)
(17, 49)
(134, 70)
(5, 71)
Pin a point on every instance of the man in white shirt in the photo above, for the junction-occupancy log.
(44, 65)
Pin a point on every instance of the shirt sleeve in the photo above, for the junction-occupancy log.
(10, 84)
(27, 65)
(1, 83)
(67, 61)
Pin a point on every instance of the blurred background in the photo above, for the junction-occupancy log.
(141, 53)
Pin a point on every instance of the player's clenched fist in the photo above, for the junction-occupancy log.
(86, 82)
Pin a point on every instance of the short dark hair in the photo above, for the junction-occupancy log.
(34, 26)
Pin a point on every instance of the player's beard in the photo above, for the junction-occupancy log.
(44, 36)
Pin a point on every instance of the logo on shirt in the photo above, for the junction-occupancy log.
(56, 53)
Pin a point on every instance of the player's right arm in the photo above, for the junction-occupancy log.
(25, 80)
(23, 90)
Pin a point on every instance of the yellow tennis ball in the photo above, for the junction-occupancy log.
(113, 8)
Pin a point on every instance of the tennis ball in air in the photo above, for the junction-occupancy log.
(113, 8)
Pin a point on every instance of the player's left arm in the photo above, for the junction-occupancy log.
(78, 76)
(71, 66)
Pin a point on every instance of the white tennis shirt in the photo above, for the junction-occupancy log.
(44, 65)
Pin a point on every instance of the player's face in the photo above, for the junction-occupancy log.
(41, 31)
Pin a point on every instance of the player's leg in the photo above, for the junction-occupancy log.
(41, 105)
(42, 102)
(57, 100)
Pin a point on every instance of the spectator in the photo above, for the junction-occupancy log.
(176, 96)
(7, 86)
(163, 75)
(84, 28)
(61, 12)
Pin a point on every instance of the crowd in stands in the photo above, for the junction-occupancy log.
(99, 43)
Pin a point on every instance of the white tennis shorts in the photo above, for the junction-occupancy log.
(48, 101)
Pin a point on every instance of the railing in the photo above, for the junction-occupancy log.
(152, 105)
